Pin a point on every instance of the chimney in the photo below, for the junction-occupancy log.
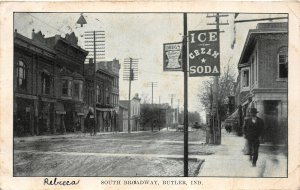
(91, 61)
(32, 34)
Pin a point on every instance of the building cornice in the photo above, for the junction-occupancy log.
(252, 37)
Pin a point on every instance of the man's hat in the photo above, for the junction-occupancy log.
(253, 110)
(91, 110)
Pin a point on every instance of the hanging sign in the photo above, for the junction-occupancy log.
(204, 53)
(172, 57)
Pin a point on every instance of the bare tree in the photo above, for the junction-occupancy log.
(226, 88)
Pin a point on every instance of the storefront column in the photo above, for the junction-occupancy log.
(284, 121)
(31, 120)
(260, 108)
(39, 117)
(284, 109)
(62, 124)
(52, 118)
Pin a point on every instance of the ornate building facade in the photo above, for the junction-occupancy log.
(102, 93)
(48, 84)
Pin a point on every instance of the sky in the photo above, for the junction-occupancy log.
(141, 36)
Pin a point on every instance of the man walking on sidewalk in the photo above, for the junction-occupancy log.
(254, 128)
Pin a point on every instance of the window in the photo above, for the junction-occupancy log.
(99, 99)
(66, 87)
(107, 95)
(245, 80)
(252, 70)
(283, 63)
(21, 75)
(46, 83)
(256, 67)
(76, 90)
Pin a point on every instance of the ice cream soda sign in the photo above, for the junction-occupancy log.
(204, 53)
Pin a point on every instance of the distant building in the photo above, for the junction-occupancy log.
(48, 83)
(102, 93)
(123, 118)
(135, 107)
(263, 76)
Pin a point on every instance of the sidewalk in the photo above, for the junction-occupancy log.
(229, 161)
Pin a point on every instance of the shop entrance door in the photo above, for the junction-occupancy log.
(271, 120)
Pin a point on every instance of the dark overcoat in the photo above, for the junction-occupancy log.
(254, 130)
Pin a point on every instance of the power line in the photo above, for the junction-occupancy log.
(47, 24)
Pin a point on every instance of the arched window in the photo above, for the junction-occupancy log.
(282, 63)
(21, 75)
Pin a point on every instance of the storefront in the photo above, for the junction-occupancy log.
(106, 120)
(24, 121)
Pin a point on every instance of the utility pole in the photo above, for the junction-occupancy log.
(215, 107)
(95, 86)
(185, 83)
(178, 103)
(172, 97)
(94, 42)
(152, 85)
(130, 74)
(129, 101)
(91, 39)
(171, 116)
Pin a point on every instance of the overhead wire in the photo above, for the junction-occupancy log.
(61, 32)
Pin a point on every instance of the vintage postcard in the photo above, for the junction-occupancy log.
(122, 95)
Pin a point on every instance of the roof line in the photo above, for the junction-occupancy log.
(254, 31)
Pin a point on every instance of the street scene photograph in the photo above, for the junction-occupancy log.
(150, 94)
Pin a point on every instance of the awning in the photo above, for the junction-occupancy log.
(106, 109)
(233, 117)
(61, 112)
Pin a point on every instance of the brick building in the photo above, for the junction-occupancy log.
(102, 93)
(48, 84)
(263, 76)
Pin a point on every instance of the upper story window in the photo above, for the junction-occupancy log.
(66, 87)
(21, 75)
(99, 94)
(76, 90)
(245, 73)
(246, 78)
(46, 83)
(107, 95)
(283, 63)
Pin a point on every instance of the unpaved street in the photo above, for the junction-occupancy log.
(135, 154)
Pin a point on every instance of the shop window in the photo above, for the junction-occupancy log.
(21, 75)
(282, 63)
(46, 83)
